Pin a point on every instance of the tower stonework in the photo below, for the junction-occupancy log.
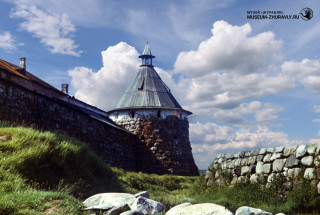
(149, 110)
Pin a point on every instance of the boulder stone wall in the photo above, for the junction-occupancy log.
(292, 163)
(165, 146)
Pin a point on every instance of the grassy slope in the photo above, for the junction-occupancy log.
(39, 168)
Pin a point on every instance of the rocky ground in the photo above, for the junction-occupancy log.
(140, 204)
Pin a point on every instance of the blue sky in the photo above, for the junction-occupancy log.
(251, 83)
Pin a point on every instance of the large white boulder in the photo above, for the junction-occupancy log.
(301, 151)
(104, 201)
(203, 209)
(251, 211)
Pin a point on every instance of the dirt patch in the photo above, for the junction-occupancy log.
(54, 208)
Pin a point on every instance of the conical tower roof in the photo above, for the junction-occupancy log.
(147, 89)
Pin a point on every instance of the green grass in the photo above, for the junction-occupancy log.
(167, 189)
(38, 167)
(275, 198)
(41, 171)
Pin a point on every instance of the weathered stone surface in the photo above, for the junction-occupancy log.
(248, 154)
(277, 165)
(312, 149)
(231, 164)
(318, 149)
(266, 168)
(234, 180)
(251, 211)
(255, 178)
(236, 155)
(317, 161)
(244, 161)
(291, 161)
(267, 158)
(209, 174)
(131, 213)
(318, 188)
(301, 151)
(260, 158)
(296, 172)
(255, 152)
(252, 160)
(175, 209)
(307, 161)
(147, 206)
(203, 209)
(229, 156)
(118, 210)
(279, 149)
(2, 139)
(144, 194)
(270, 177)
(309, 173)
(237, 162)
(259, 168)
(263, 151)
(290, 173)
(270, 150)
(108, 200)
(241, 154)
(216, 175)
(289, 151)
(245, 170)
(275, 156)
(318, 173)
(241, 179)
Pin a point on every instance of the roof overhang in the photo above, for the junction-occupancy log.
(148, 108)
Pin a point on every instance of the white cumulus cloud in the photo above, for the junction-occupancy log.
(307, 71)
(105, 87)
(230, 67)
(54, 30)
(7, 42)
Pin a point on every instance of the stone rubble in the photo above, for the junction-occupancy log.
(138, 204)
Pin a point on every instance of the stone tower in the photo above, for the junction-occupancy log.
(149, 110)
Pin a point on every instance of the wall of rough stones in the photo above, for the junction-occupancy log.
(262, 165)
(25, 107)
(165, 146)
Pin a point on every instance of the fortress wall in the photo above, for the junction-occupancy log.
(164, 147)
(262, 165)
(25, 107)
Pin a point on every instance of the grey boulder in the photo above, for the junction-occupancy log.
(144, 194)
(147, 206)
(251, 211)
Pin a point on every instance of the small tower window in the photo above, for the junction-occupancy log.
(141, 86)
(159, 113)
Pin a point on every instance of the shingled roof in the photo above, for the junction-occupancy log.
(147, 89)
